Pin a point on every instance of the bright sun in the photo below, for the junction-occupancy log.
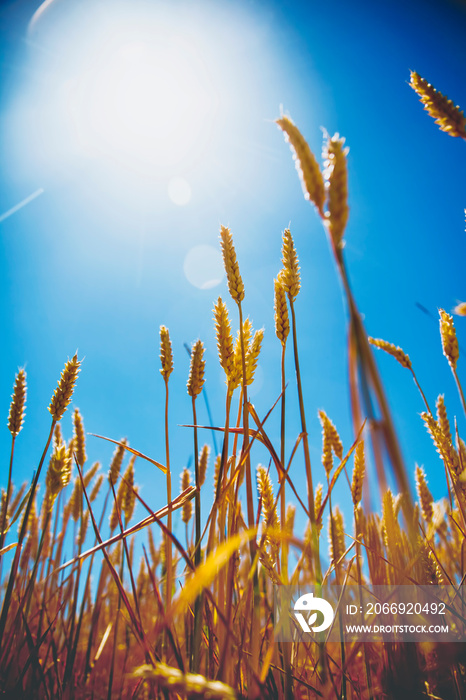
(153, 103)
(139, 90)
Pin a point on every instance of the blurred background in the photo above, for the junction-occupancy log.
(130, 131)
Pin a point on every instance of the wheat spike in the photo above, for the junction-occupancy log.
(442, 418)
(129, 493)
(358, 473)
(330, 442)
(449, 117)
(318, 505)
(237, 356)
(96, 488)
(253, 356)
(460, 309)
(83, 529)
(224, 338)
(75, 502)
(336, 180)
(336, 535)
(218, 461)
(196, 370)
(64, 391)
(18, 404)
(306, 164)
(425, 496)
(166, 354)
(282, 321)
(289, 518)
(392, 350)
(235, 283)
(57, 436)
(117, 505)
(80, 440)
(117, 461)
(449, 340)
(174, 681)
(443, 444)
(58, 473)
(187, 506)
(289, 276)
(269, 510)
(203, 461)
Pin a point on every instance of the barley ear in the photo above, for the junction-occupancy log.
(336, 535)
(187, 510)
(197, 369)
(449, 117)
(129, 494)
(282, 321)
(392, 350)
(425, 496)
(358, 473)
(253, 356)
(235, 283)
(449, 340)
(64, 391)
(203, 461)
(117, 461)
(166, 354)
(224, 338)
(18, 404)
(58, 473)
(289, 276)
(80, 440)
(306, 164)
(336, 178)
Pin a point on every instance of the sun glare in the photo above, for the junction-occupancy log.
(151, 103)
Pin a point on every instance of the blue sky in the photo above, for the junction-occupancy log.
(97, 260)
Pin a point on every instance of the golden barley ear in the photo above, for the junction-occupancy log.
(460, 309)
(235, 283)
(282, 321)
(447, 115)
(425, 497)
(336, 181)
(358, 473)
(392, 350)
(336, 533)
(58, 473)
(80, 440)
(318, 498)
(289, 276)
(18, 404)
(64, 391)
(224, 338)
(306, 164)
(117, 461)
(449, 340)
(196, 370)
(253, 356)
(203, 461)
(331, 442)
(166, 354)
(187, 510)
(129, 494)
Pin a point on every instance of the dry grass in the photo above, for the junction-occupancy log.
(194, 618)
